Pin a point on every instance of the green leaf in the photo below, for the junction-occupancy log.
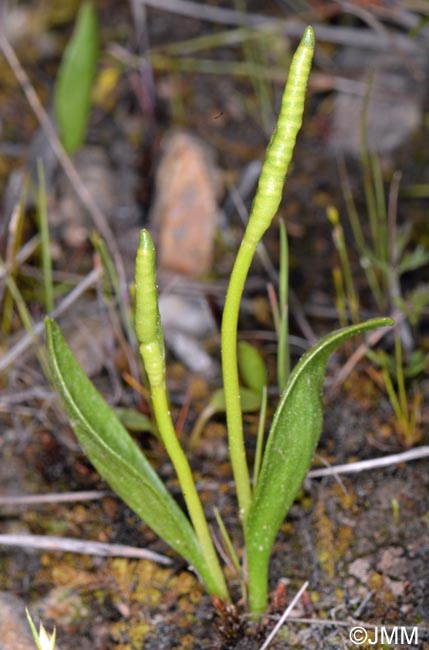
(74, 81)
(134, 420)
(250, 401)
(252, 367)
(293, 437)
(116, 456)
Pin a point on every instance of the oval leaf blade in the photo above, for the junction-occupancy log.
(294, 434)
(251, 366)
(250, 401)
(116, 456)
(74, 81)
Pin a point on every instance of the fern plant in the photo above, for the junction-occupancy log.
(296, 425)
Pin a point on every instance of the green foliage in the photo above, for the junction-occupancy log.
(116, 456)
(297, 423)
(133, 420)
(252, 367)
(75, 77)
(42, 639)
(249, 398)
(265, 205)
(294, 434)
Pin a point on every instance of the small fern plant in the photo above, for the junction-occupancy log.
(296, 425)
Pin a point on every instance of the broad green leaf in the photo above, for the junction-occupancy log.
(134, 420)
(251, 366)
(116, 456)
(72, 100)
(294, 434)
(250, 401)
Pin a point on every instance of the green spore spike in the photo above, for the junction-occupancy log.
(265, 205)
(150, 338)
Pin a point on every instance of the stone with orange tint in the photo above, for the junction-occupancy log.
(185, 208)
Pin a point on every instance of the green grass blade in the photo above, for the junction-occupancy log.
(42, 639)
(260, 436)
(293, 437)
(283, 352)
(75, 76)
(26, 318)
(42, 209)
(116, 456)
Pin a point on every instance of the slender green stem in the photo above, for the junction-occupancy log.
(392, 394)
(260, 437)
(402, 393)
(265, 205)
(358, 235)
(340, 245)
(380, 208)
(150, 336)
(230, 374)
(112, 275)
(340, 299)
(44, 238)
(228, 543)
(352, 297)
(367, 172)
(26, 319)
(283, 354)
(186, 481)
(232, 554)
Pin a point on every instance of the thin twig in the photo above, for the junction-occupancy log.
(62, 497)
(351, 468)
(27, 340)
(284, 616)
(70, 545)
(372, 463)
(373, 338)
(22, 255)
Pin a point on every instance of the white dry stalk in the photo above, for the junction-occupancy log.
(373, 463)
(284, 616)
(85, 547)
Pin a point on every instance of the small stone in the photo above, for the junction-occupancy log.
(360, 569)
(14, 629)
(395, 107)
(185, 208)
(393, 563)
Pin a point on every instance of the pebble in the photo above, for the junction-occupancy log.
(185, 210)
(395, 107)
(14, 630)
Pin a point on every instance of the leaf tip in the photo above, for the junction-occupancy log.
(308, 37)
(146, 242)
